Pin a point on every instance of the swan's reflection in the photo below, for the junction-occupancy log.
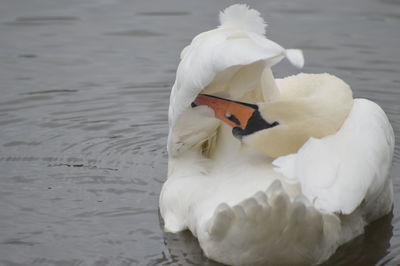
(368, 248)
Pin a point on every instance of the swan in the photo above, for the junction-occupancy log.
(269, 171)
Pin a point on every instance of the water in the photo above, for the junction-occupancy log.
(83, 119)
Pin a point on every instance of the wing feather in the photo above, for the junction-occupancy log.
(340, 171)
(238, 41)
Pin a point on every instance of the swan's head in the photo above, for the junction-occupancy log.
(309, 105)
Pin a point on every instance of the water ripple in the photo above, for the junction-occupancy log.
(83, 120)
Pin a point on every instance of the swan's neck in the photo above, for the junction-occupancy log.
(309, 105)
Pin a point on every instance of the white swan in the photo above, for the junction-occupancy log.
(304, 168)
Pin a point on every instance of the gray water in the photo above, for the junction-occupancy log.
(84, 87)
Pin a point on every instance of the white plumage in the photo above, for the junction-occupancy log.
(241, 17)
(246, 207)
(338, 172)
(235, 43)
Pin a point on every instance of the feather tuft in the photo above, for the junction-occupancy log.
(295, 57)
(242, 17)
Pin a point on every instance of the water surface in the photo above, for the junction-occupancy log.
(83, 119)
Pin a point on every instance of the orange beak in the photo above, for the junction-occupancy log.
(235, 114)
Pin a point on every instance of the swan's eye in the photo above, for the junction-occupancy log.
(233, 118)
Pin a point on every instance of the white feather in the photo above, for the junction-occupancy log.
(295, 57)
(237, 42)
(240, 16)
(338, 172)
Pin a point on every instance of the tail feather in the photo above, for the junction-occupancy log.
(266, 227)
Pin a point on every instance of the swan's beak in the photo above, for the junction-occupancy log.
(243, 117)
(235, 114)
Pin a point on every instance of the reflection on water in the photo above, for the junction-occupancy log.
(367, 249)
(83, 119)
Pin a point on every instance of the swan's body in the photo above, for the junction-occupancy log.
(289, 194)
